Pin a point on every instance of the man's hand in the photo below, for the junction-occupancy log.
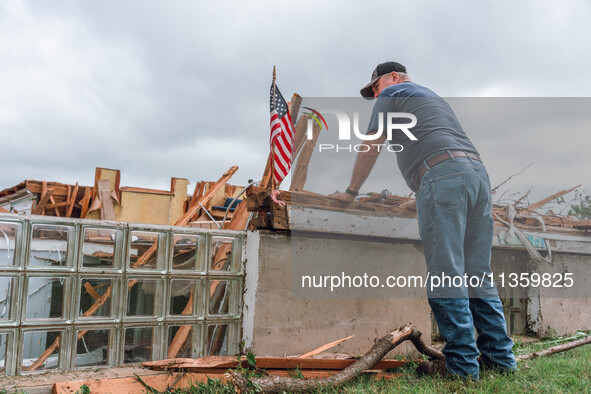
(411, 205)
(344, 197)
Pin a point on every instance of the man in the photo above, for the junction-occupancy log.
(454, 208)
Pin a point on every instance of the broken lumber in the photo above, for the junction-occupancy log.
(72, 201)
(104, 195)
(272, 384)
(268, 363)
(300, 172)
(85, 201)
(167, 381)
(259, 200)
(582, 224)
(44, 199)
(550, 198)
(192, 211)
(160, 382)
(322, 348)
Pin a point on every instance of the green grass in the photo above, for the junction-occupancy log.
(568, 372)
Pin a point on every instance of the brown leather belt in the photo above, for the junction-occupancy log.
(440, 159)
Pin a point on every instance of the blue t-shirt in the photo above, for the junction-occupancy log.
(437, 127)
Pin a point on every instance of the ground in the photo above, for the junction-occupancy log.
(564, 372)
(559, 373)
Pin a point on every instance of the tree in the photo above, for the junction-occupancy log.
(582, 210)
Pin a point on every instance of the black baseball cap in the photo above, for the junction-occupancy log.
(381, 69)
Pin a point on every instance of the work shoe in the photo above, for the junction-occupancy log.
(433, 368)
(486, 364)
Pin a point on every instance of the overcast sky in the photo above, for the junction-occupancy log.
(178, 88)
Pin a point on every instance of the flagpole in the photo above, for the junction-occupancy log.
(273, 143)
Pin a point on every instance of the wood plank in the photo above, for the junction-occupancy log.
(582, 224)
(550, 198)
(60, 189)
(4, 210)
(72, 201)
(85, 201)
(180, 338)
(198, 192)
(160, 382)
(259, 200)
(322, 348)
(44, 199)
(90, 290)
(167, 381)
(192, 211)
(148, 191)
(104, 192)
(55, 210)
(279, 217)
(294, 105)
(300, 173)
(114, 177)
(263, 363)
(43, 193)
(300, 128)
(56, 204)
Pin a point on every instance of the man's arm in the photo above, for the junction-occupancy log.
(363, 166)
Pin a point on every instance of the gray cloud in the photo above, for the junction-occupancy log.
(180, 89)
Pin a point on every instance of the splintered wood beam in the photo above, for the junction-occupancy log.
(44, 199)
(582, 224)
(322, 348)
(149, 253)
(163, 382)
(183, 221)
(259, 200)
(238, 222)
(300, 173)
(550, 198)
(182, 333)
(45, 355)
(91, 291)
(198, 192)
(294, 105)
(85, 201)
(192, 211)
(60, 189)
(300, 134)
(52, 201)
(72, 200)
(104, 194)
(56, 205)
(267, 363)
(89, 312)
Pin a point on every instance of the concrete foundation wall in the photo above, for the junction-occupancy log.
(284, 324)
(279, 321)
(564, 316)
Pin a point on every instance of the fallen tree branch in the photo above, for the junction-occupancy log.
(273, 384)
(556, 349)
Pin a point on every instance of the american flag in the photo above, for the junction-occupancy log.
(281, 135)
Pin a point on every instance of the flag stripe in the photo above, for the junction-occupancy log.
(282, 135)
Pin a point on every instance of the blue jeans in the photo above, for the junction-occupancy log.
(454, 206)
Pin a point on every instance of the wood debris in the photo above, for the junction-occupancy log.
(107, 200)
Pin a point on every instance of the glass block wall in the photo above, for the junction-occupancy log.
(78, 294)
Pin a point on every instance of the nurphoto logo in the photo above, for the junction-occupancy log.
(344, 133)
